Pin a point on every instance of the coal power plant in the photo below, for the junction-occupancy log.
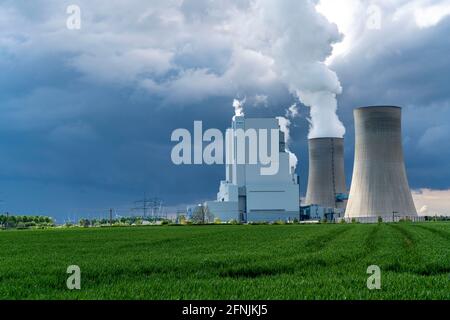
(379, 185)
(326, 179)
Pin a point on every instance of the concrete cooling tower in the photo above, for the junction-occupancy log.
(326, 180)
(379, 185)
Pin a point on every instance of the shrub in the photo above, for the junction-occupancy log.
(21, 225)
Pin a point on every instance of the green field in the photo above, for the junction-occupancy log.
(327, 261)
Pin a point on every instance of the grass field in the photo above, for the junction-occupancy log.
(229, 262)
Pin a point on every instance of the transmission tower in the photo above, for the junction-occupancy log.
(152, 205)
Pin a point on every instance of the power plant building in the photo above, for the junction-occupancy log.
(249, 196)
(379, 185)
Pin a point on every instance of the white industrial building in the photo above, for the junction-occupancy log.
(249, 196)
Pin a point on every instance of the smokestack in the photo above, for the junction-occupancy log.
(326, 180)
(379, 184)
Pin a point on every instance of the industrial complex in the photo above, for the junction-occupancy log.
(248, 195)
(379, 187)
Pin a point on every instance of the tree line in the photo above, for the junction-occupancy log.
(24, 221)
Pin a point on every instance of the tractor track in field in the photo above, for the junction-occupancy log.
(408, 238)
(370, 244)
(314, 245)
(408, 245)
(322, 241)
(440, 233)
(419, 267)
(371, 240)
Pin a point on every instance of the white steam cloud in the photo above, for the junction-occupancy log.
(292, 111)
(299, 40)
(423, 210)
(285, 125)
(238, 106)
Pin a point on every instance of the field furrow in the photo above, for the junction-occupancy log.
(327, 261)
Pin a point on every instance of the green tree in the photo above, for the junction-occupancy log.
(201, 215)
(21, 225)
(84, 223)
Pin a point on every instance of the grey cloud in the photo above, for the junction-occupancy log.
(87, 117)
(404, 65)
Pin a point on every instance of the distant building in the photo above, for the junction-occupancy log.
(319, 213)
(248, 196)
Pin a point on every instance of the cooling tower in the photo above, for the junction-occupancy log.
(326, 180)
(379, 184)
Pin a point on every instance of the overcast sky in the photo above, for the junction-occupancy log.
(86, 115)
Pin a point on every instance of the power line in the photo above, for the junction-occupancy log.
(152, 205)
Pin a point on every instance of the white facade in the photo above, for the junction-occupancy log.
(248, 196)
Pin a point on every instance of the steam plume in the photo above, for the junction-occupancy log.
(299, 40)
(238, 107)
(285, 124)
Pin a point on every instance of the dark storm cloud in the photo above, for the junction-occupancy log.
(81, 149)
(409, 69)
(87, 116)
